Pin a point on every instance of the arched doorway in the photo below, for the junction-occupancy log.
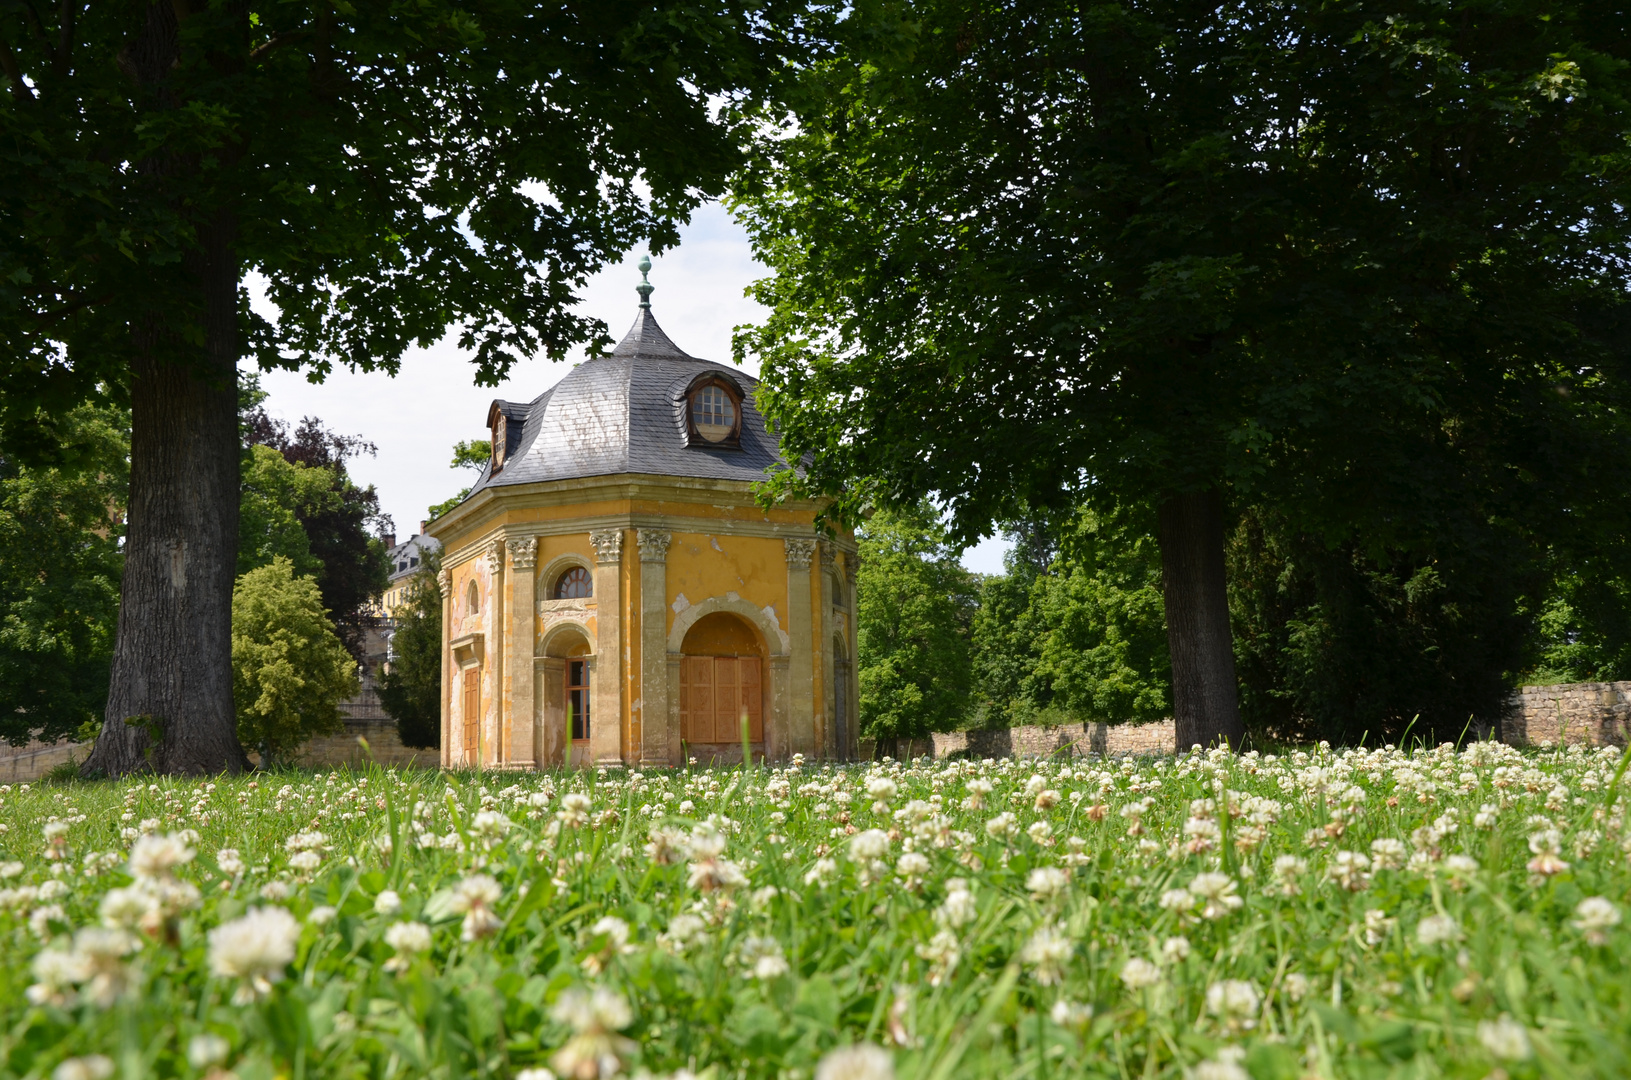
(722, 680)
(563, 698)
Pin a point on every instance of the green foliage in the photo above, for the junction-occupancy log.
(411, 687)
(914, 605)
(1082, 639)
(289, 670)
(1344, 642)
(1584, 625)
(472, 454)
(276, 495)
(59, 577)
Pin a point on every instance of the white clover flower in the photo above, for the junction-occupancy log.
(539, 1073)
(595, 1048)
(1226, 1066)
(860, 1062)
(822, 873)
(869, 845)
(1297, 986)
(1377, 926)
(489, 824)
(408, 939)
(1175, 949)
(306, 861)
(942, 952)
(1595, 916)
(1504, 1038)
(1287, 870)
(229, 861)
(1388, 853)
(683, 929)
(155, 858)
(1002, 826)
(1046, 952)
(1485, 818)
(206, 1050)
(912, 866)
(89, 1067)
(959, 907)
(1235, 1002)
(1179, 900)
(1047, 883)
(1070, 1014)
(1217, 892)
(275, 891)
(574, 811)
(387, 903)
(254, 949)
(1438, 930)
(1138, 974)
(474, 898)
(762, 956)
(1350, 869)
(322, 915)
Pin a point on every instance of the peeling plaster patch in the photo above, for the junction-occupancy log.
(714, 540)
(770, 613)
(732, 597)
(680, 603)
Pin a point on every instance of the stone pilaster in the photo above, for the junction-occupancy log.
(825, 717)
(852, 602)
(653, 711)
(444, 583)
(606, 714)
(522, 727)
(490, 745)
(801, 664)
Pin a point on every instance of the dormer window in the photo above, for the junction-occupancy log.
(714, 413)
(505, 429)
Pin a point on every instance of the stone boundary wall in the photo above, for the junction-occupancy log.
(1036, 741)
(1594, 714)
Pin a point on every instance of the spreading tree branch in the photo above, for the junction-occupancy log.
(8, 64)
(274, 41)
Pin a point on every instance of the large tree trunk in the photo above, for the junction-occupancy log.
(170, 702)
(1205, 705)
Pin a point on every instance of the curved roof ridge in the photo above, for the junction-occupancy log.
(646, 341)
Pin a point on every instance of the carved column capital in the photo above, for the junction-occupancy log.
(608, 545)
(523, 553)
(495, 557)
(444, 581)
(653, 544)
(828, 555)
(800, 553)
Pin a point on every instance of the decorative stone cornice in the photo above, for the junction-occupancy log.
(523, 553)
(653, 544)
(495, 557)
(608, 545)
(828, 552)
(444, 581)
(800, 553)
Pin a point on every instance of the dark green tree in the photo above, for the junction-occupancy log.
(914, 605)
(59, 576)
(1363, 264)
(411, 687)
(389, 172)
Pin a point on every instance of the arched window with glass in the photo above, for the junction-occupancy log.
(574, 584)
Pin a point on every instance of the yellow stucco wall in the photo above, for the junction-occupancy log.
(721, 546)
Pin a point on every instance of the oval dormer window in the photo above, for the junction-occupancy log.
(714, 413)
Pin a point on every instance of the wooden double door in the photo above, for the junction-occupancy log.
(715, 693)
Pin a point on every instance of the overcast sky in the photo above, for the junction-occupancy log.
(433, 402)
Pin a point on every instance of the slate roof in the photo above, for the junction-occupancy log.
(406, 556)
(624, 413)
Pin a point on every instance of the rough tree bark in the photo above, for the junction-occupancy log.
(1205, 703)
(170, 704)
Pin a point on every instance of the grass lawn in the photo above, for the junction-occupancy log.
(1367, 913)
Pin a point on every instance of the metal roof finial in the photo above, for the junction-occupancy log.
(645, 286)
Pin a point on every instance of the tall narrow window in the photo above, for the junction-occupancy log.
(472, 600)
(577, 698)
(575, 584)
(472, 708)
